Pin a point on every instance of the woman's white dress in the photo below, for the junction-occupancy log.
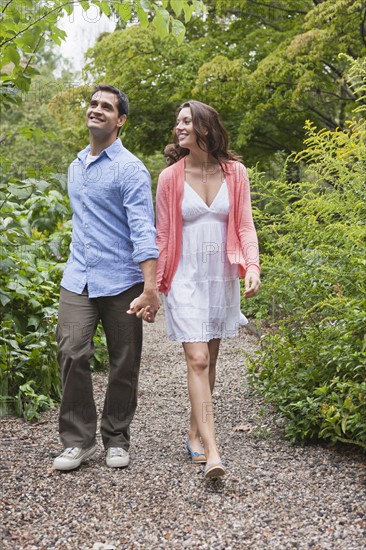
(204, 299)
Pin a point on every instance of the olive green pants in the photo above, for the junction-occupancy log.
(78, 319)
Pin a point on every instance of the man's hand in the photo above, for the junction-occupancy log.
(252, 284)
(146, 305)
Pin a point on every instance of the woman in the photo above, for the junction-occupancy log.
(207, 240)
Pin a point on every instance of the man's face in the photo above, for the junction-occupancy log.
(102, 118)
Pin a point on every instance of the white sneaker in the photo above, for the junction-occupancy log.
(117, 457)
(72, 457)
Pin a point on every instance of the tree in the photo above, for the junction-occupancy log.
(27, 25)
(157, 74)
(291, 69)
(31, 139)
(266, 67)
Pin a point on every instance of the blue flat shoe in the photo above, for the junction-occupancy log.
(197, 458)
(215, 470)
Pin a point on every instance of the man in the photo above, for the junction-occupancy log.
(109, 277)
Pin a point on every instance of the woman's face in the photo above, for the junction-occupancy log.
(184, 129)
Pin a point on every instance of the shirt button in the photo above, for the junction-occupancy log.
(88, 246)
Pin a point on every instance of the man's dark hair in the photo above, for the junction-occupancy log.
(122, 98)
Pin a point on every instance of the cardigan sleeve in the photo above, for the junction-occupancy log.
(247, 232)
(162, 229)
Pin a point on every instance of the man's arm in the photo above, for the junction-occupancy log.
(137, 200)
(148, 303)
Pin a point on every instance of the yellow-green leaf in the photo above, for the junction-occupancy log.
(68, 8)
(161, 22)
(143, 17)
(145, 5)
(178, 30)
(188, 11)
(104, 6)
(177, 6)
(11, 55)
(124, 10)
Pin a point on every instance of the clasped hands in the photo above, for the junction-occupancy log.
(146, 305)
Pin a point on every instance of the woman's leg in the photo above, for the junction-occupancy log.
(198, 366)
(213, 350)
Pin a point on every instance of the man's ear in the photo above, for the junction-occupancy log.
(121, 120)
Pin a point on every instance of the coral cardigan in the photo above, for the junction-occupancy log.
(242, 243)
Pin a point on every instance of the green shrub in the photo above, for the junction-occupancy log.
(34, 241)
(313, 359)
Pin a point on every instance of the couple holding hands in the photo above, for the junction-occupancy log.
(204, 242)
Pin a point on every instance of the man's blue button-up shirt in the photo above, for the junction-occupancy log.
(113, 222)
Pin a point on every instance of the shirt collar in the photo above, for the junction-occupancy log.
(111, 151)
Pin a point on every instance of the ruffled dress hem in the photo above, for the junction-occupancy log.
(219, 336)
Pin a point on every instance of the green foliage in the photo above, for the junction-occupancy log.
(31, 141)
(290, 70)
(30, 404)
(149, 74)
(34, 218)
(27, 25)
(265, 67)
(313, 359)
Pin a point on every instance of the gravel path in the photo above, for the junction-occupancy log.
(276, 496)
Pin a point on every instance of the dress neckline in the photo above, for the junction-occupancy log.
(201, 199)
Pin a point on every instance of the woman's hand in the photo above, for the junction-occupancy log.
(147, 315)
(252, 284)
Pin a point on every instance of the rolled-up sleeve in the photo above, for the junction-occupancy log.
(137, 201)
